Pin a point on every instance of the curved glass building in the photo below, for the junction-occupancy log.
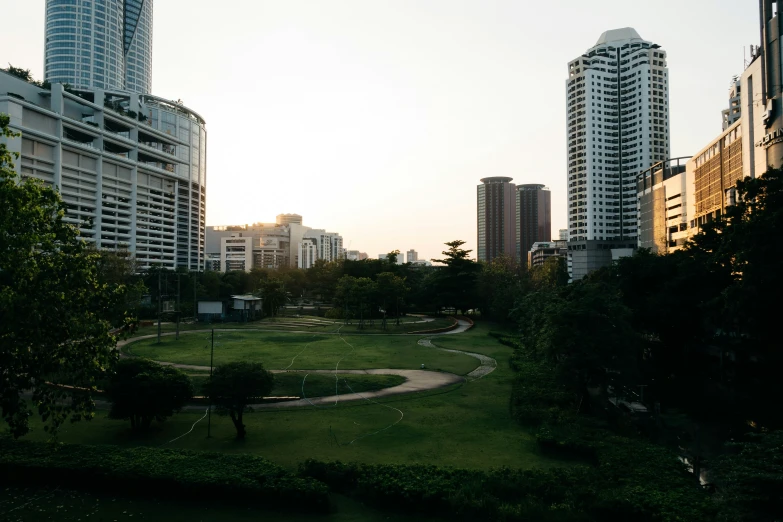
(99, 44)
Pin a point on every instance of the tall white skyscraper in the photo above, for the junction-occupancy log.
(99, 44)
(617, 102)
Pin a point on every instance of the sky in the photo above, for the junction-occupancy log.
(377, 119)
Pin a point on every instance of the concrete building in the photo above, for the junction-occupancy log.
(617, 104)
(540, 251)
(131, 167)
(533, 217)
(287, 219)
(771, 92)
(384, 257)
(588, 256)
(105, 44)
(562, 234)
(411, 256)
(496, 216)
(665, 193)
(271, 245)
(734, 112)
(308, 252)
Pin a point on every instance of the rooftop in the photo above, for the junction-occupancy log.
(615, 35)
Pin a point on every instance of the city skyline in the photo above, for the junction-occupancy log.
(462, 96)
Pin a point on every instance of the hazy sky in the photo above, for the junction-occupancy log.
(376, 119)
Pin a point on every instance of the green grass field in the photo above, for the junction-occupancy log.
(316, 384)
(292, 351)
(465, 425)
(32, 505)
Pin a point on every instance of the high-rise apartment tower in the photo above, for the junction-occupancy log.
(533, 217)
(496, 218)
(617, 102)
(99, 44)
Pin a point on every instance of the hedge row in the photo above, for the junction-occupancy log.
(150, 471)
(504, 494)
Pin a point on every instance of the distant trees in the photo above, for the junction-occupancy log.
(234, 386)
(56, 312)
(141, 391)
(274, 295)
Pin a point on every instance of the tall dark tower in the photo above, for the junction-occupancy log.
(534, 217)
(773, 76)
(496, 217)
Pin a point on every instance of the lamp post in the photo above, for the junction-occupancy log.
(209, 412)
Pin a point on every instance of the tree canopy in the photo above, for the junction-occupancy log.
(56, 315)
(234, 386)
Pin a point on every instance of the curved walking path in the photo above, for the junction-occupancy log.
(415, 380)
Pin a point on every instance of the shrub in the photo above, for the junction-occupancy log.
(244, 479)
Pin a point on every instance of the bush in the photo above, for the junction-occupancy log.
(142, 391)
(504, 494)
(188, 475)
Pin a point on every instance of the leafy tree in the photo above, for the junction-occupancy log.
(586, 333)
(234, 386)
(391, 291)
(499, 284)
(23, 74)
(356, 295)
(455, 285)
(119, 268)
(142, 391)
(56, 315)
(274, 295)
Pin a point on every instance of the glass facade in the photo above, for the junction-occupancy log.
(100, 44)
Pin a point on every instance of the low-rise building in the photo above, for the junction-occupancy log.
(591, 255)
(543, 250)
(665, 193)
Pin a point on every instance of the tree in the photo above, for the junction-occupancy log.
(56, 315)
(455, 285)
(142, 391)
(499, 284)
(274, 295)
(23, 74)
(391, 290)
(234, 386)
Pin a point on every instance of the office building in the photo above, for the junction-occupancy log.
(131, 167)
(496, 216)
(734, 112)
(562, 234)
(287, 219)
(618, 125)
(411, 256)
(99, 44)
(271, 245)
(385, 257)
(540, 251)
(665, 193)
(770, 139)
(533, 217)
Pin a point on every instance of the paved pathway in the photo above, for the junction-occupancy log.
(415, 380)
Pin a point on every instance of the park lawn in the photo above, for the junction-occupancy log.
(20, 504)
(465, 425)
(303, 323)
(292, 351)
(290, 384)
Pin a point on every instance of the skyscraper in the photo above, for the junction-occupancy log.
(617, 102)
(496, 218)
(533, 217)
(99, 44)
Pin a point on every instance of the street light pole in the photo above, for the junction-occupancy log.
(178, 308)
(209, 412)
(160, 305)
